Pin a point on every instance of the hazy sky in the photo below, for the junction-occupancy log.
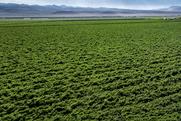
(133, 4)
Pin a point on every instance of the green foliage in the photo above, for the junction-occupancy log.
(109, 70)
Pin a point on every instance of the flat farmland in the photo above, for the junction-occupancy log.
(104, 70)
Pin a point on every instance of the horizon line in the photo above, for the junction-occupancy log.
(128, 8)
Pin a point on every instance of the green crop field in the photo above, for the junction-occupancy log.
(104, 70)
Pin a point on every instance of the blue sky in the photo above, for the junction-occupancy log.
(130, 4)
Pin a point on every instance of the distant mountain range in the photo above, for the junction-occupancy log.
(172, 8)
(24, 10)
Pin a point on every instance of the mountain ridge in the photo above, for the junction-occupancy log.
(25, 10)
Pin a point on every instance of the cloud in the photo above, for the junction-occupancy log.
(136, 4)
